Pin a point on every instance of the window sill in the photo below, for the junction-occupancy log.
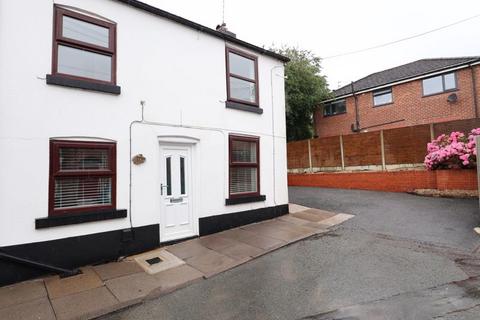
(243, 107)
(68, 219)
(439, 93)
(82, 84)
(240, 200)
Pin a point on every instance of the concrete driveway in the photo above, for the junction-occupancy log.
(401, 257)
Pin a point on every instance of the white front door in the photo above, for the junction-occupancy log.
(176, 216)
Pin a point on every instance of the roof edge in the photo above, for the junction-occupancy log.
(408, 79)
(167, 15)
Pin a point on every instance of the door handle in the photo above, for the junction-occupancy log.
(161, 188)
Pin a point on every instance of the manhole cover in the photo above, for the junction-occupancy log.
(157, 260)
(154, 260)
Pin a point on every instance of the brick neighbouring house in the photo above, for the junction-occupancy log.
(420, 92)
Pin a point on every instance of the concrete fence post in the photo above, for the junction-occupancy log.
(382, 148)
(341, 152)
(309, 156)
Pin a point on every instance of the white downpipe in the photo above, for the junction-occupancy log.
(273, 136)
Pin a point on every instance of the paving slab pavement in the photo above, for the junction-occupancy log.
(102, 289)
(216, 242)
(38, 309)
(119, 269)
(241, 251)
(21, 293)
(187, 249)
(85, 304)
(59, 287)
(176, 278)
(132, 287)
(211, 262)
(253, 239)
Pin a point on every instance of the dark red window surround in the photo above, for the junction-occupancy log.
(58, 39)
(89, 175)
(248, 56)
(233, 164)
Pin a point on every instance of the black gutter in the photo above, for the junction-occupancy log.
(371, 88)
(167, 15)
(38, 265)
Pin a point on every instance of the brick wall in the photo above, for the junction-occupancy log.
(393, 181)
(456, 179)
(408, 105)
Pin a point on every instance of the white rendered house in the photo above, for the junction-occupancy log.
(123, 127)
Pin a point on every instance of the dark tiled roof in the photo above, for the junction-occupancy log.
(403, 72)
(167, 15)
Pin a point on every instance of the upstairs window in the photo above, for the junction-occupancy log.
(335, 107)
(82, 176)
(84, 47)
(242, 77)
(244, 166)
(383, 96)
(439, 84)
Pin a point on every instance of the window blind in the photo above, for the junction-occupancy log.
(82, 191)
(83, 159)
(243, 166)
(243, 180)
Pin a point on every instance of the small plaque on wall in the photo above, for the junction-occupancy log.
(138, 159)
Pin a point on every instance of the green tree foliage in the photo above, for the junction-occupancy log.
(305, 88)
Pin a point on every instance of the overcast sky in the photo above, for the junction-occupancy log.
(336, 26)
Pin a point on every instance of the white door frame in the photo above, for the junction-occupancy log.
(192, 144)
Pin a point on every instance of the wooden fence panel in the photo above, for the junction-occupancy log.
(326, 152)
(362, 149)
(297, 154)
(458, 125)
(406, 145)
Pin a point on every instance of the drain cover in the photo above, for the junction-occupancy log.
(154, 260)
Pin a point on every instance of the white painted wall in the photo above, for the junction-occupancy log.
(178, 71)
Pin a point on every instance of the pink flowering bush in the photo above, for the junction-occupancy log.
(452, 151)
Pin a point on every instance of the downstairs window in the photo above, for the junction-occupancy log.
(82, 176)
(244, 166)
